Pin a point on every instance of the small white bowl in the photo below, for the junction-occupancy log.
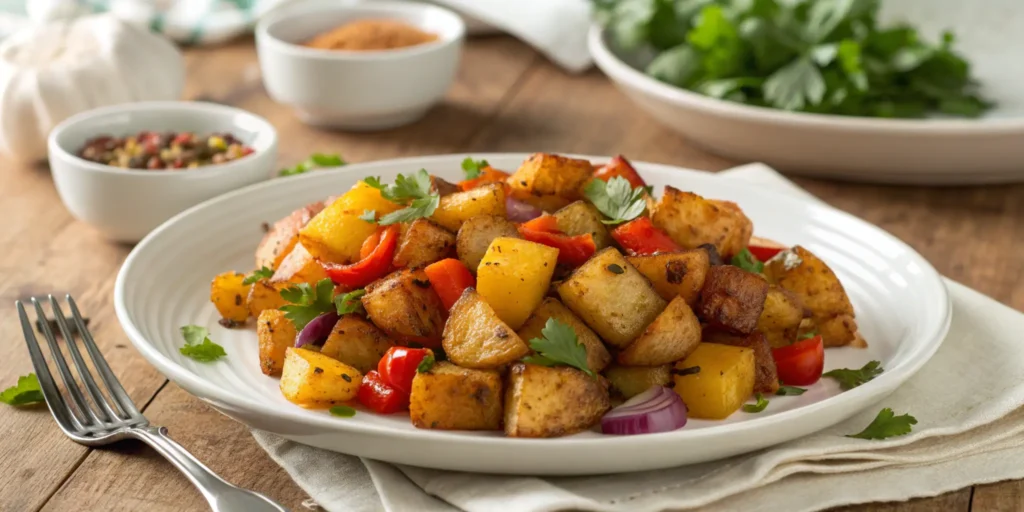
(358, 90)
(126, 204)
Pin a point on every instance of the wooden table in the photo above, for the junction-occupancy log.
(507, 98)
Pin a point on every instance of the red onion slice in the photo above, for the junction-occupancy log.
(518, 211)
(317, 330)
(658, 409)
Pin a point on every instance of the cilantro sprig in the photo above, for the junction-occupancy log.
(315, 161)
(761, 404)
(413, 191)
(25, 392)
(886, 424)
(198, 345)
(849, 379)
(349, 302)
(472, 168)
(616, 199)
(308, 302)
(747, 261)
(559, 345)
(263, 272)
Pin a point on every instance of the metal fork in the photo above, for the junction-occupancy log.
(93, 420)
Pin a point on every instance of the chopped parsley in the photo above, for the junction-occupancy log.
(263, 272)
(427, 363)
(790, 391)
(413, 191)
(349, 302)
(761, 404)
(198, 345)
(559, 345)
(25, 392)
(473, 168)
(849, 379)
(308, 302)
(747, 261)
(343, 411)
(616, 199)
(886, 425)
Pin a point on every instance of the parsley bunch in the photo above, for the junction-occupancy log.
(824, 56)
(413, 191)
(617, 199)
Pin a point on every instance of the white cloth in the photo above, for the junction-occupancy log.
(967, 401)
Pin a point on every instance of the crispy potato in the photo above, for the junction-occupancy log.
(513, 277)
(580, 218)
(840, 330)
(597, 355)
(263, 296)
(405, 306)
(357, 343)
(476, 235)
(629, 381)
(279, 240)
(544, 174)
(547, 203)
(474, 336)
(455, 209)
(230, 296)
(298, 267)
(275, 333)
(691, 220)
(611, 297)
(422, 243)
(552, 401)
(732, 298)
(766, 378)
(724, 382)
(311, 379)
(449, 397)
(781, 317)
(675, 274)
(672, 336)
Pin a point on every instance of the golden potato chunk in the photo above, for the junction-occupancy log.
(725, 380)
(449, 397)
(544, 174)
(455, 209)
(691, 220)
(781, 317)
(422, 243)
(405, 306)
(275, 334)
(672, 336)
(580, 218)
(230, 295)
(597, 355)
(298, 267)
(357, 343)
(476, 235)
(629, 381)
(552, 401)
(732, 298)
(513, 277)
(675, 274)
(311, 379)
(766, 378)
(336, 233)
(280, 238)
(475, 337)
(263, 296)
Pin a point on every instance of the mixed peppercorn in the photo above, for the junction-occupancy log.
(164, 150)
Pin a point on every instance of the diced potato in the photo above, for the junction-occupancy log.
(629, 381)
(544, 174)
(597, 355)
(675, 274)
(279, 240)
(405, 306)
(724, 382)
(336, 235)
(766, 378)
(546, 203)
(357, 343)
(732, 298)
(580, 218)
(552, 401)
(692, 220)
(840, 330)
(362, 197)
(476, 235)
(672, 336)
(298, 267)
(231, 296)
(455, 209)
(263, 296)
(612, 298)
(449, 397)
(474, 336)
(781, 317)
(513, 277)
(275, 334)
(422, 243)
(311, 379)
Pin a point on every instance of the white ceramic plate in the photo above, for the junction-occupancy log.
(901, 305)
(929, 151)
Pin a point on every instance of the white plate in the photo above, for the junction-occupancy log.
(928, 151)
(901, 305)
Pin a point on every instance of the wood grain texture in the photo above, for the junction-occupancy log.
(506, 99)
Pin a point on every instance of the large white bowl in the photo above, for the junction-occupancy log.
(901, 303)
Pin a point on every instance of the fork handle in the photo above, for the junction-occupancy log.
(221, 495)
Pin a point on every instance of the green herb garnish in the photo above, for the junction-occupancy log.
(887, 424)
(369, 216)
(413, 191)
(426, 364)
(25, 392)
(308, 302)
(343, 411)
(263, 272)
(761, 404)
(473, 168)
(349, 302)
(559, 345)
(790, 391)
(747, 261)
(616, 199)
(807, 335)
(198, 345)
(315, 161)
(849, 379)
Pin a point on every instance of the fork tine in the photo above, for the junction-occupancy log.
(109, 379)
(54, 400)
(109, 414)
(91, 419)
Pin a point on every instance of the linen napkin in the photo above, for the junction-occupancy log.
(967, 402)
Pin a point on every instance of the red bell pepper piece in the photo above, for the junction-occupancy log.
(398, 366)
(488, 175)
(801, 363)
(619, 166)
(639, 237)
(572, 250)
(369, 269)
(764, 253)
(381, 397)
(545, 223)
(370, 244)
(449, 278)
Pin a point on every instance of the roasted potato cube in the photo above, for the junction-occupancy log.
(672, 336)
(629, 381)
(362, 197)
(546, 203)
(597, 355)
(337, 233)
(455, 209)
(298, 267)
(612, 298)
(692, 220)
(311, 379)
(725, 380)
(580, 218)
(405, 306)
(230, 296)
(552, 401)
(476, 235)
(279, 240)
(449, 397)
(275, 334)
(766, 378)
(675, 274)
(544, 174)
(422, 243)
(840, 330)
(263, 295)
(732, 298)
(781, 317)
(357, 343)
(475, 337)
(514, 276)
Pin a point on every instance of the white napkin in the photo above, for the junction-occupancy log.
(966, 401)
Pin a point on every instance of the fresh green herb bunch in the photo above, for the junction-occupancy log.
(823, 56)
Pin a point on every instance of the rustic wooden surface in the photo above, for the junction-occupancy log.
(507, 98)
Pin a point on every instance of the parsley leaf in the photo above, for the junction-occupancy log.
(198, 345)
(747, 261)
(559, 345)
(849, 379)
(315, 161)
(419, 208)
(473, 168)
(343, 411)
(349, 302)
(761, 404)
(616, 199)
(414, 190)
(369, 216)
(308, 302)
(807, 335)
(194, 334)
(263, 272)
(426, 364)
(887, 424)
(790, 391)
(25, 392)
